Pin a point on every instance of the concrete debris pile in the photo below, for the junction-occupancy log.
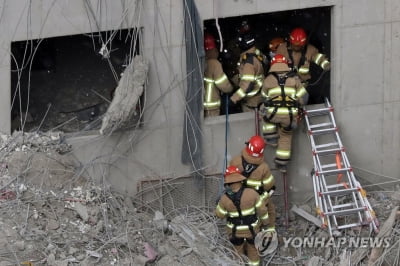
(52, 213)
(37, 141)
(89, 226)
(305, 243)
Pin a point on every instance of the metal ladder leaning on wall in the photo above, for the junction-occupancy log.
(340, 200)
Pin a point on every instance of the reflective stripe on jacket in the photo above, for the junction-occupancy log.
(251, 76)
(250, 204)
(215, 81)
(293, 90)
(311, 55)
(261, 179)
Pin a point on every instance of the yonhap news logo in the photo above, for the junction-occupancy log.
(339, 242)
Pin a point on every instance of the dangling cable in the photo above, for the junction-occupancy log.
(226, 131)
(221, 43)
(318, 80)
(221, 186)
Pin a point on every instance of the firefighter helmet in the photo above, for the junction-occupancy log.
(246, 41)
(244, 27)
(274, 43)
(209, 42)
(298, 37)
(279, 63)
(266, 242)
(279, 58)
(255, 146)
(233, 175)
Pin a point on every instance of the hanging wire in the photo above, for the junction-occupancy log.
(221, 186)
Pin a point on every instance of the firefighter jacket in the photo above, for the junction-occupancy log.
(246, 222)
(300, 60)
(283, 94)
(258, 173)
(251, 76)
(214, 81)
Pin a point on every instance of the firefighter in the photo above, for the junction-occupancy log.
(251, 73)
(283, 95)
(245, 214)
(301, 54)
(258, 174)
(272, 47)
(215, 79)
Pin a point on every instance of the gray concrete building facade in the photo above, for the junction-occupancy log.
(364, 86)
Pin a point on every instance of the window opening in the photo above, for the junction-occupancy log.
(66, 83)
(266, 26)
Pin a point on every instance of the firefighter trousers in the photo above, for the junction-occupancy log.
(280, 126)
(271, 213)
(248, 250)
(214, 112)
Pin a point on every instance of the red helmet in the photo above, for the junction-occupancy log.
(278, 58)
(255, 146)
(209, 42)
(233, 175)
(298, 37)
(274, 43)
(232, 170)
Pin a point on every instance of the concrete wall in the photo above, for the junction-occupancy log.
(364, 77)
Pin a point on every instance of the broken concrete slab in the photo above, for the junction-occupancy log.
(303, 213)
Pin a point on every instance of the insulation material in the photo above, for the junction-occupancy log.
(126, 96)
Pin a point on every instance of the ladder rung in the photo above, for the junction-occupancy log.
(338, 192)
(343, 205)
(326, 168)
(344, 212)
(327, 151)
(322, 131)
(349, 225)
(332, 165)
(326, 145)
(333, 171)
(321, 125)
(334, 186)
(321, 111)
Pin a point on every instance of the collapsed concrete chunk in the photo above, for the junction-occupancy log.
(126, 96)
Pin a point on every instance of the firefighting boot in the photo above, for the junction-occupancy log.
(273, 142)
(281, 165)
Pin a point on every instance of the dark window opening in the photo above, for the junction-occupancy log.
(315, 21)
(66, 83)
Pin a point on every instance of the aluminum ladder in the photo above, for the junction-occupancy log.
(340, 200)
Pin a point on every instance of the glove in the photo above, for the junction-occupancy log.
(234, 99)
(231, 103)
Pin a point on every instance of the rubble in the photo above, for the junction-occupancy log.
(52, 215)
